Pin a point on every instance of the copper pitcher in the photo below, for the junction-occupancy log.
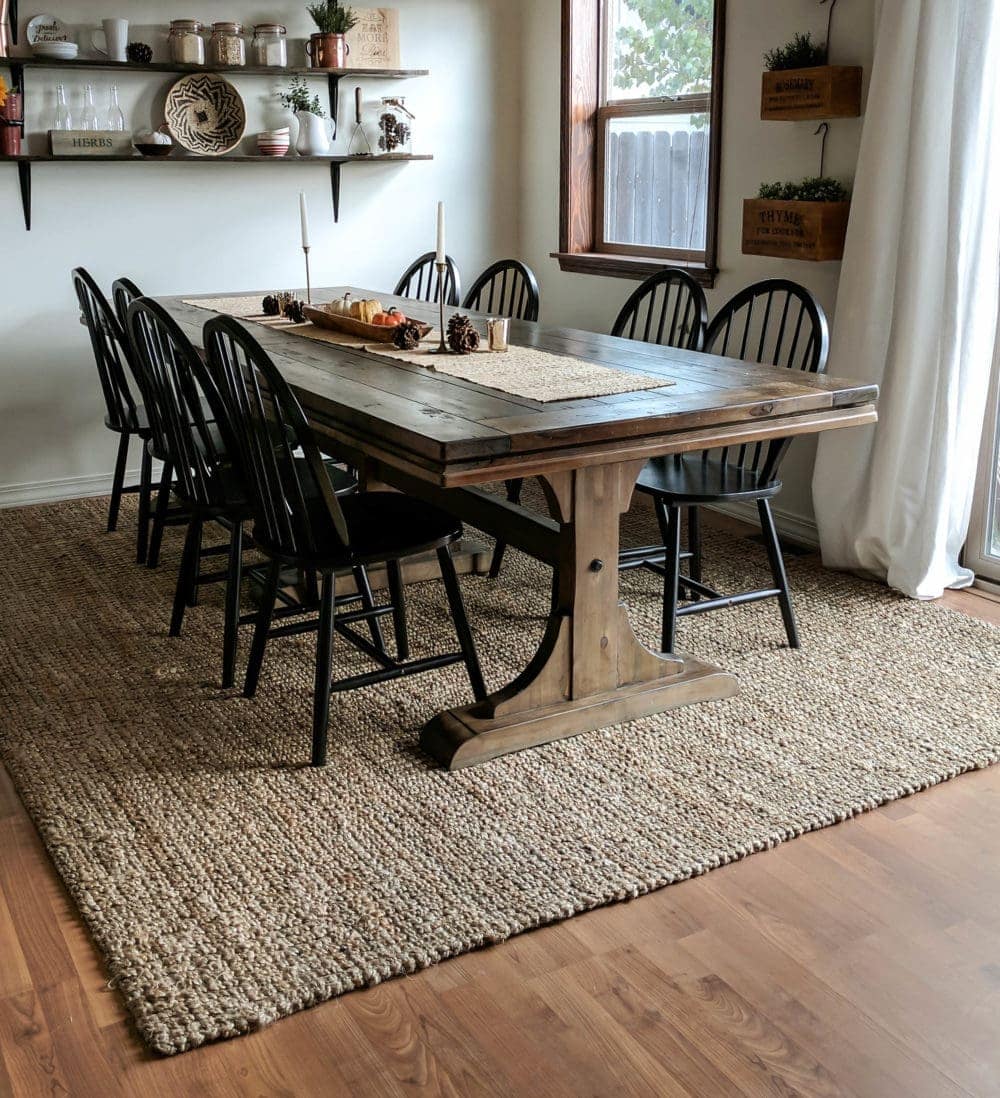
(326, 51)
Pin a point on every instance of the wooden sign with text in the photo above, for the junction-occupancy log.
(795, 230)
(374, 40)
(90, 143)
(827, 91)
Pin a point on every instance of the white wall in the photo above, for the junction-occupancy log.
(752, 152)
(177, 228)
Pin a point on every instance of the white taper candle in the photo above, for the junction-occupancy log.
(304, 215)
(441, 256)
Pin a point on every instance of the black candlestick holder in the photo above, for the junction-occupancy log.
(442, 347)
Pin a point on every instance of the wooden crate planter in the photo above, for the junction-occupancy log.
(827, 91)
(794, 230)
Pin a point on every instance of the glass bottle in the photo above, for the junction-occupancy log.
(116, 117)
(226, 47)
(63, 119)
(88, 117)
(395, 127)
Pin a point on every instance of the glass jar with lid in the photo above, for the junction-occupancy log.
(395, 127)
(269, 46)
(187, 47)
(226, 46)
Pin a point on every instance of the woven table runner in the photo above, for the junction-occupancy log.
(520, 371)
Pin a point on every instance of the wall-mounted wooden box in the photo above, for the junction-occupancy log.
(90, 143)
(794, 230)
(827, 91)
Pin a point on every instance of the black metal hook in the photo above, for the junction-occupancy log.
(829, 23)
(824, 129)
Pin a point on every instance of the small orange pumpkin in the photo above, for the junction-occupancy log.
(392, 318)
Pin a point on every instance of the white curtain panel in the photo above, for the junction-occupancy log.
(917, 306)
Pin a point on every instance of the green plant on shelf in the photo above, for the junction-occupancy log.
(297, 98)
(814, 189)
(332, 17)
(800, 53)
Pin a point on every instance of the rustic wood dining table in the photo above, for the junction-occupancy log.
(442, 439)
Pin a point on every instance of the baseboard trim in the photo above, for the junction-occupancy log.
(796, 528)
(51, 491)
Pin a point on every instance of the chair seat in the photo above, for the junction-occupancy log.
(383, 526)
(689, 478)
(138, 424)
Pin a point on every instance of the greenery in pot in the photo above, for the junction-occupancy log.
(800, 53)
(297, 98)
(332, 17)
(814, 189)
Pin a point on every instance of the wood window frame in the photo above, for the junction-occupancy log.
(584, 118)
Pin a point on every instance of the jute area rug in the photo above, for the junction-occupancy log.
(227, 886)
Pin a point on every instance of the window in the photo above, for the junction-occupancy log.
(640, 135)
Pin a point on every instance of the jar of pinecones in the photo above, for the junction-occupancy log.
(395, 127)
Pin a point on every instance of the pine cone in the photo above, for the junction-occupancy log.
(139, 53)
(463, 338)
(294, 311)
(406, 337)
(271, 306)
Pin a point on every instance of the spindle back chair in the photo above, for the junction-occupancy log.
(669, 308)
(507, 288)
(124, 414)
(421, 281)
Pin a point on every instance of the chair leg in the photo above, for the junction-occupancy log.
(324, 659)
(669, 518)
(119, 481)
(232, 627)
(397, 593)
(368, 603)
(694, 544)
(514, 490)
(145, 494)
(160, 515)
(186, 575)
(262, 626)
(773, 547)
(462, 630)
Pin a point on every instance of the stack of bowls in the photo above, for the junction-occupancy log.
(56, 51)
(274, 142)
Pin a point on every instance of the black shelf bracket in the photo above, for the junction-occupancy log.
(16, 75)
(334, 84)
(24, 179)
(12, 15)
(335, 186)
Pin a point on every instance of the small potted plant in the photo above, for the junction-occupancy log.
(328, 49)
(313, 139)
(800, 84)
(806, 220)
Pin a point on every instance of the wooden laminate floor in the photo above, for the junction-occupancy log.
(859, 960)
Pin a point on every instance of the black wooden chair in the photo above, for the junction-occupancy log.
(776, 322)
(507, 288)
(669, 308)
(125, 415)
(300, 522)
(420, 281)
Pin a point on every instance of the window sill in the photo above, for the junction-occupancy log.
(626, 266)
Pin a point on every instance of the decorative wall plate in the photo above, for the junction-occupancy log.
(206, 114)
(46, 28)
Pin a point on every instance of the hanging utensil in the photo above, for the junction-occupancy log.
(355, 147)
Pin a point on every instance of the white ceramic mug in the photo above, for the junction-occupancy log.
(112, 40)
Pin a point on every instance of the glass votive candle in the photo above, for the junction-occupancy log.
(499, 333)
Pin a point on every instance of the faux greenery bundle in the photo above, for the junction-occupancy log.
(815, 189)
(800, 53)
(297, 98)
(331, 17)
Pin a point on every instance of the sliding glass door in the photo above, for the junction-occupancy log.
(982, 552)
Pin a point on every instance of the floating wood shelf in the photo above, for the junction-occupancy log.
(25, 161)
(18, 65)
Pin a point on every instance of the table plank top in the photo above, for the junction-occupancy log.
(454, 431)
